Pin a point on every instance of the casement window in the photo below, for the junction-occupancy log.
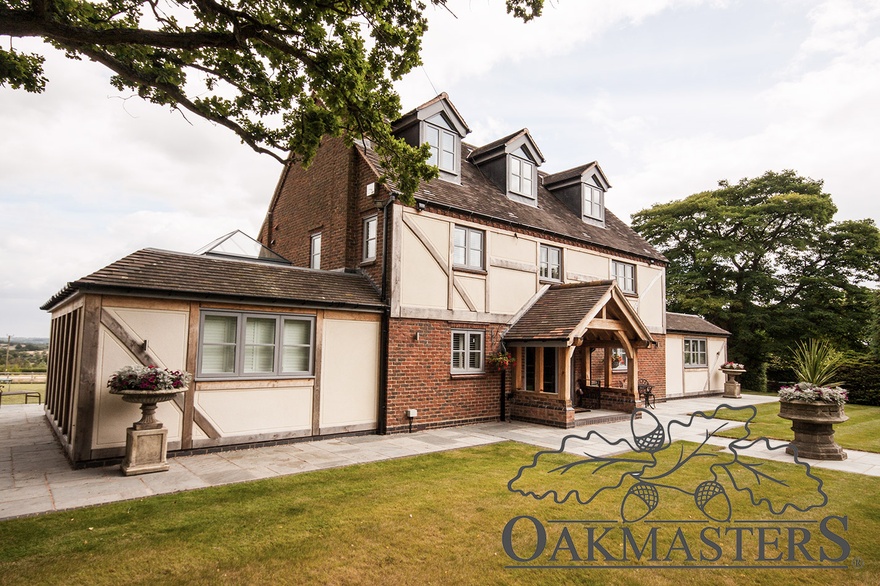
(245, 345)
(551, 263)
(369, 248)
(442, 142)
(468, 248)
(467, 351)
(594, 203)
(695, 352)
(625, 275)
(521, 177)
(315, 251)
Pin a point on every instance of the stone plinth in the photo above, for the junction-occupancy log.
(145, 451)
(732, 389)
(813, 427)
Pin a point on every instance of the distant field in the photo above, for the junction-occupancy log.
(39, 387)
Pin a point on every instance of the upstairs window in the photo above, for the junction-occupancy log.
(467, 351)
(594, 203)
(370, 238)
(625, 275)
(551, 263)
(521, 177)
(442, 140)
(315, 252)
(467, 248)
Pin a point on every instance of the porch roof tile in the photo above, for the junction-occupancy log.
(558, 312)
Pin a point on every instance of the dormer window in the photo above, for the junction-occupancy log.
(594, 203)
(444, 143)
(521, 176)
(439, 125)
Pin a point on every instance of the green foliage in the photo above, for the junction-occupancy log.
(816, 362)
(763, 259)
(860, 376)
(281, 75)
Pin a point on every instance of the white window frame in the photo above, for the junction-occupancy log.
(545, 264)
(465, 353)
(521, 176)
(315, 251)
(468, 248)
(371, 239)
(594, 203)
(695, 353)
(240, 346)
(443, 137)
(625, 275)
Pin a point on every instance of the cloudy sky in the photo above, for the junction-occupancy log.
(668, 95)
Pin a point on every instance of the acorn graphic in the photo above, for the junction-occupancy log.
(712, 500)
(640, 499)
(651, 441)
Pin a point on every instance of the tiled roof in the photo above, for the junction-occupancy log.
(569, 174)
(558, 312)
(479, 196)
(152, 272)
(692, 324)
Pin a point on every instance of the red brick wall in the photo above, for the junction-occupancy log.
(329, 197)
(419, 377)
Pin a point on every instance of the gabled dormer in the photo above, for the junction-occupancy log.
(512, 164)
(582, 189)
(440, 125)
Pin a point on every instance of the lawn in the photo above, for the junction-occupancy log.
(19, 399)
(433, 519)
(861, 432)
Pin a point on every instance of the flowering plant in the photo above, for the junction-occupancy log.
(811, 393)
(734, 366)
(501, 360)
(148, 378)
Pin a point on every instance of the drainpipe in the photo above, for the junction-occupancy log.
(386, 316)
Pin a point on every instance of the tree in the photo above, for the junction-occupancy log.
(280, 74)
(764, 260)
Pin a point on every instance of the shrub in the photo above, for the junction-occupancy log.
(861, 377)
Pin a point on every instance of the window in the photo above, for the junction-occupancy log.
(618, 359)
(551, 263)
(242, 345)
(521, 177)
(441, 140)
(549, 378)
(695, 352)
(370, 238)
(625, 275)
(530, 367)
(594, 204)
(467, 351)
(315, 252)
(467, 248)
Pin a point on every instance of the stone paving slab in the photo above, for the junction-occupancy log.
(36, 478)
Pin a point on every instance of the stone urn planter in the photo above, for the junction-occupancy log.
(732, 389)
(146, 441)
(813, 427)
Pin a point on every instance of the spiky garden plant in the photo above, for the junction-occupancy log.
(817, 362)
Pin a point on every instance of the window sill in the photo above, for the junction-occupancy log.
(461, 375)
(546, 281)
(696, 367)
(367, 262)
(470, 270)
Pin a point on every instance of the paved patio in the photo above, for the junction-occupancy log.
(36, 478)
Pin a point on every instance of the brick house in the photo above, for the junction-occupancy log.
(355, 313)
(496, 255)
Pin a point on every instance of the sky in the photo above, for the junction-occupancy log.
(670, 96)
